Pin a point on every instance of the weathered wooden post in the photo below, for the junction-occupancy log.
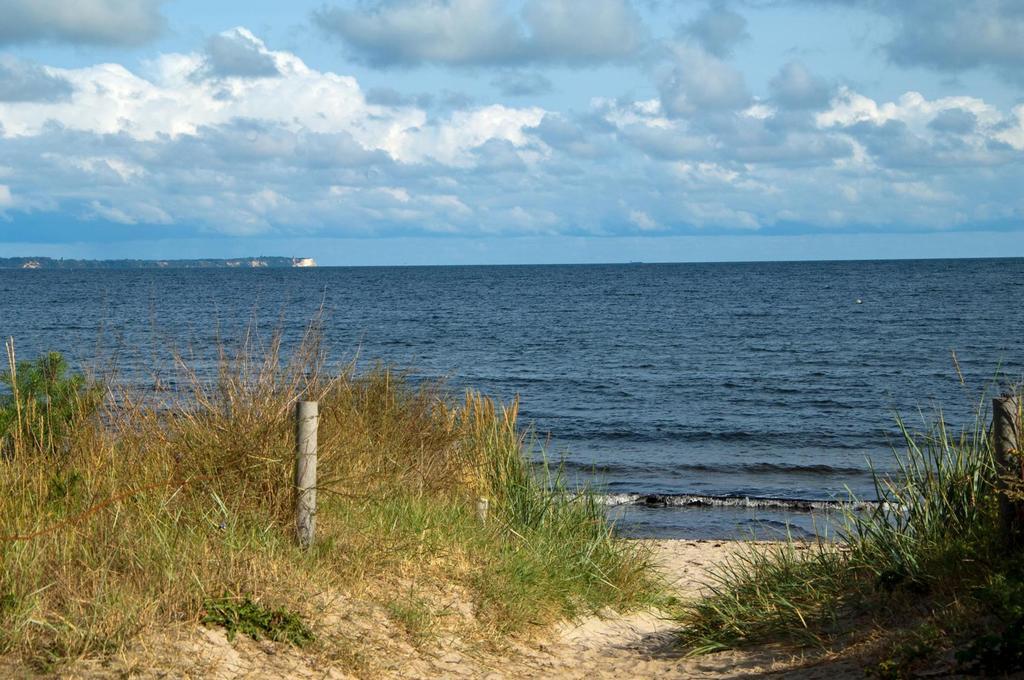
(307, 416)
(1006, 416)
(482, 506)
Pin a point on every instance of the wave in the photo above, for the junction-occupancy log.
(571, 432)
(698, 501)
(676, 469)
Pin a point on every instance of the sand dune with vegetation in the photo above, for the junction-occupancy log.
(129, 517)
(153, 535)
(606, 644)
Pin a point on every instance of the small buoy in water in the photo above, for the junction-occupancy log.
(859, 301)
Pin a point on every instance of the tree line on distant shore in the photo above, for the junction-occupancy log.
(208, 263)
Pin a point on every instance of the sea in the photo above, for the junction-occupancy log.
(701, 400)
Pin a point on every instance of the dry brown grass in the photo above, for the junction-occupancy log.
(150, 507)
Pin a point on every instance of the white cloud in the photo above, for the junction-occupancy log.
(1013, 133)
(917, 132)
(457, 31)
(759, 111)
(242, 154)
(107, 22)
(795, 87)
(474, 32)
(849, 107)
(397, 193)
(718, 29)
(22, 81)
(581, 31)
(239, 53)
(109, 99)
(99, 165)
(180, 145)
(647, 112)
(451, 141)
(951, 35)
(524, 220)
(643, 221)
(449, 203)
(129, 213)
(696, 81)
(956, 35)
(706, 172)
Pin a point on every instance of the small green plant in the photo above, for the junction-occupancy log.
(908, 651)
(768, 593)
(64, 486)
(256, 621)
(414, 615)
(44, 404)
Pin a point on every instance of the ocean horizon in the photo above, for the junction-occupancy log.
(660, 383)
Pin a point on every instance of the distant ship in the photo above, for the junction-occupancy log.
(303, 262)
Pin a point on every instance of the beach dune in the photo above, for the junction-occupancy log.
(608, 645)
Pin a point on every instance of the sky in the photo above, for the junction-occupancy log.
(377, 132)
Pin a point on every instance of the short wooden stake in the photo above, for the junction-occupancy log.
(307, 416)
(482, 506)
(1006, 442)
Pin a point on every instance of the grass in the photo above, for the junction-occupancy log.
(923, 574)
(123, 515)
(414, 614)
(256, 621)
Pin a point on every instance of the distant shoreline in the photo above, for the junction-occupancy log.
(279, 262)
(259, 262)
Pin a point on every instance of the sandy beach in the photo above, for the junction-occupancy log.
(642, 644)
(608, 645)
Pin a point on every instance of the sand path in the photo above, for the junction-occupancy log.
(638, 645)
(642, 645)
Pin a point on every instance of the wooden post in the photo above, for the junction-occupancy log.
(482, 506)
(1006, 441)
(307, 416)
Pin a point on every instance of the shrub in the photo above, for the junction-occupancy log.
(45, 404)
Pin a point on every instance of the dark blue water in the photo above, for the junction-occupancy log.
(750, 380)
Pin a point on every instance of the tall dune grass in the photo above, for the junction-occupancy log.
(929, 557)
(129, 513)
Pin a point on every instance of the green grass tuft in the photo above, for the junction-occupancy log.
(256, 621)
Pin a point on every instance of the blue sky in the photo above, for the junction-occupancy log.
(479, 131)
